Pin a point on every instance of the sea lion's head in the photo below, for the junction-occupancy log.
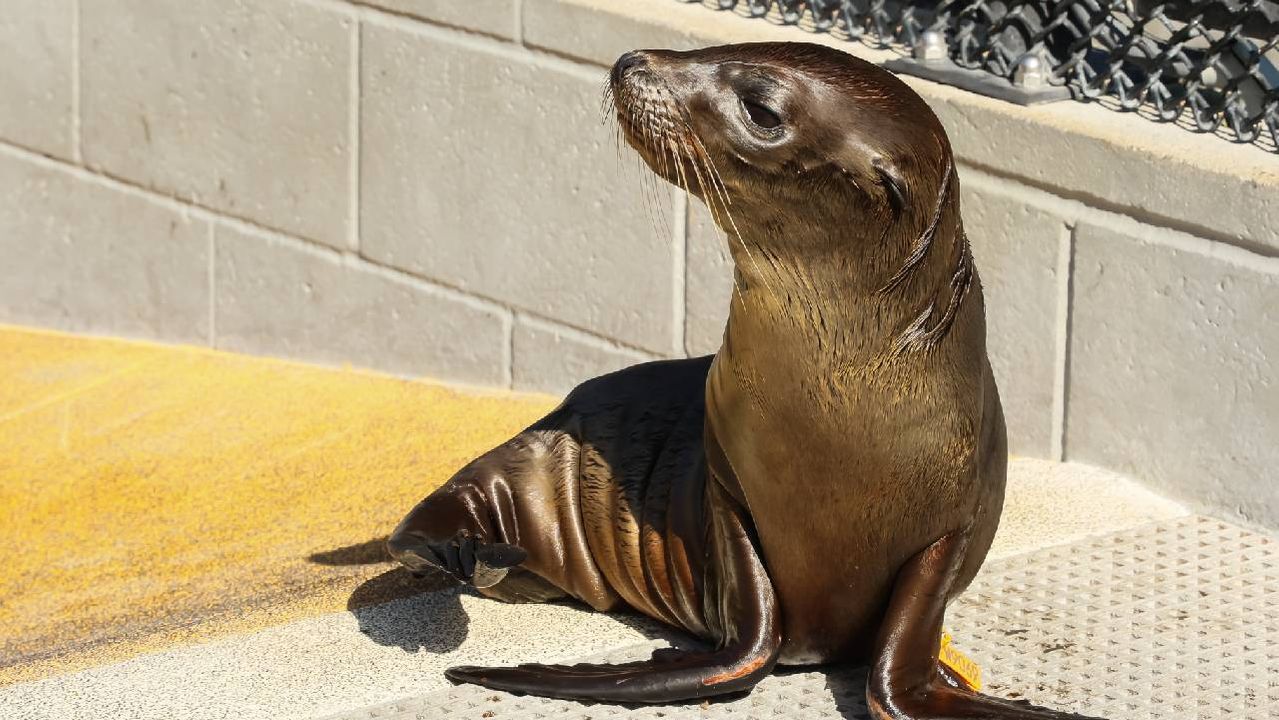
(803, 152)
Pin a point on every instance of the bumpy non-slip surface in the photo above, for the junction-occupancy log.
(1173, 619)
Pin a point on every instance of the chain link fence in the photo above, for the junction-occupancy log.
(1211, 65)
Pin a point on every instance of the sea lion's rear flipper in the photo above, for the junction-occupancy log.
(739, 594)
(905, 683)
(687, 677)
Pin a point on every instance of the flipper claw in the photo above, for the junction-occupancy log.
(465, 557)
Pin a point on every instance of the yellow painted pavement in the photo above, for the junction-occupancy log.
(154, 495)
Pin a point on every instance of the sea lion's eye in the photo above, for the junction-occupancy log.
(761, 115)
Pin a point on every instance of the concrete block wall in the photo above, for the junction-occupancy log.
(426, 187)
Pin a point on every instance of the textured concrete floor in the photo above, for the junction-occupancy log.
(267, 596)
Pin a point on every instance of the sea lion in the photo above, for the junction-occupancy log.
(821, 487)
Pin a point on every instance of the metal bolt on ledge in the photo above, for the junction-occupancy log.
(931, 47)
(1031, 72)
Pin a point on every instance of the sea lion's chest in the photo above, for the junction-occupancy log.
(842, 490)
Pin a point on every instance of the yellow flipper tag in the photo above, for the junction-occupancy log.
(959, 663)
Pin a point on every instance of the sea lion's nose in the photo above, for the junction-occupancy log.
(627, 61)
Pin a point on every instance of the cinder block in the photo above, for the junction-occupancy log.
(1174, 357)
(491, 17)
(36, 83)
(555, 360)
(599, 32)
(1016, 248)
(493, 173)
(283, 298)
(238, 106)
(709, 282)
(83, 256)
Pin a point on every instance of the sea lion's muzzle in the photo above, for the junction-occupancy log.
(650, 92)
(632, 59)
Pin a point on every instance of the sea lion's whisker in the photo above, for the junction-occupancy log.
(607, 102)
(663, 126)
(617, 143)
(715, 174)
(634, 108)
(679, 168)
(721, 193)
(669, 152)
(649, 191)
(669, 136)
(658, 218)
(672, 146)
(698, 154)
(658, 145)
(664, 227)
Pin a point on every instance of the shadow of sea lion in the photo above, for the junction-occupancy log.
(369, 552)
(396, 609)
(847, 686)
(400, 610)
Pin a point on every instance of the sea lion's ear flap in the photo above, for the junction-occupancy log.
(892, 184)
(874, 173)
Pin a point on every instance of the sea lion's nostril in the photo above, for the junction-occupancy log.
(631, 59)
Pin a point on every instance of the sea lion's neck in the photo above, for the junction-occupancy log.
(864, 298)
(841, 348)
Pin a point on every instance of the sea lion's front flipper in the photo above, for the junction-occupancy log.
(465, 557)
(904, 683)
(739, 594)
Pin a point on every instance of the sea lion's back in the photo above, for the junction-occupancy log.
(641, 481)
